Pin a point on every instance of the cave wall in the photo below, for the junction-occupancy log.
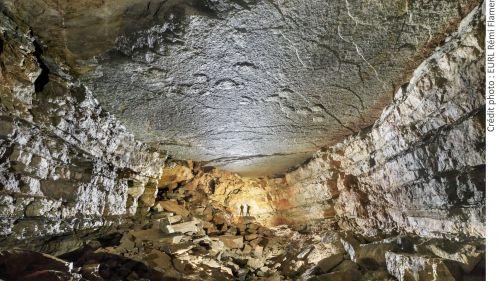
(250, 86)
(67, 167)
(420, 168)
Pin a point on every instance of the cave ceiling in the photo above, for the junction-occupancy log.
(251, 86)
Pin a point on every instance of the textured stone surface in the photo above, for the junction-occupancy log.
(28, 265)
(251, 86)
(418, 169)
(401, 199)
(66, 165)
(468, 256)
(416, 267)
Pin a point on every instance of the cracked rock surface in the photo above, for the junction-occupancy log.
(419, 169)
(68, 169)
(82, 199)
(250, 86)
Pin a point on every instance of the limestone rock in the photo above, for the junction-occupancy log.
(423, 268)
(174, 207)
(231, 241)
(28, 265)
(176, 239)
(70, 168)
(251, 237)
(186, 76)
(372, 256)
(419, 169)
(173, 174)
(173, 219)
(327, 264)
(185, 227)
(465, 254)
(163, 263)
(348, 56)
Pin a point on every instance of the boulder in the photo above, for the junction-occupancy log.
(258, 251)
(303, 254)
(161, 222)
(232, 241)
(251, 237)
(350, 244)
(162, 263)
(466, 255)
(28, 265)
(216, 246)
(175, 239)
(208, 214)
(185, 227)
(256, 242)
(347, 265)
(247, 249)
(219, 218)
(209, 227)
(174, 219)
(346, 271)
(232, 231)
(372, 256)
(174, 207)
(255, 263)
(414, 267)
(327, 264)
(173, 174)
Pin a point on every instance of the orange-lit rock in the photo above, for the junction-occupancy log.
(175, 173)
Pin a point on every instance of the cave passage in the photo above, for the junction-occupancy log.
(242, 140)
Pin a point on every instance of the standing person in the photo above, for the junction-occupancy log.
(245, 209)
(241, 211)
(248, 210)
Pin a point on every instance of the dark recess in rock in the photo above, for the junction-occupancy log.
(43, 78)
(342, 173)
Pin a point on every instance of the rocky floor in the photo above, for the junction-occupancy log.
(186, 237)
(183, 251)
(97, 97)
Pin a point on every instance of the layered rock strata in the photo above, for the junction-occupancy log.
(186, 237)
(251, 86)
(66, 166)
(419, 169)
(401, 200)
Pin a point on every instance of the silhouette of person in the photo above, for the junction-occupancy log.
(245, 209)
(242, 210)
(248, 210)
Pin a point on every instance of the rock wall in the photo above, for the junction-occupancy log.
(421, 167)
(66, 166)
(69, 170)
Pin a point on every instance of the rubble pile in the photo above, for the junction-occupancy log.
(187, 236)
(172, 249)
(371, 168)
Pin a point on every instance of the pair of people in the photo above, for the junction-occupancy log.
(244, 210)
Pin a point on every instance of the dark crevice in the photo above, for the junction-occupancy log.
(43, 78)
(204, 7)
(2, 67)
